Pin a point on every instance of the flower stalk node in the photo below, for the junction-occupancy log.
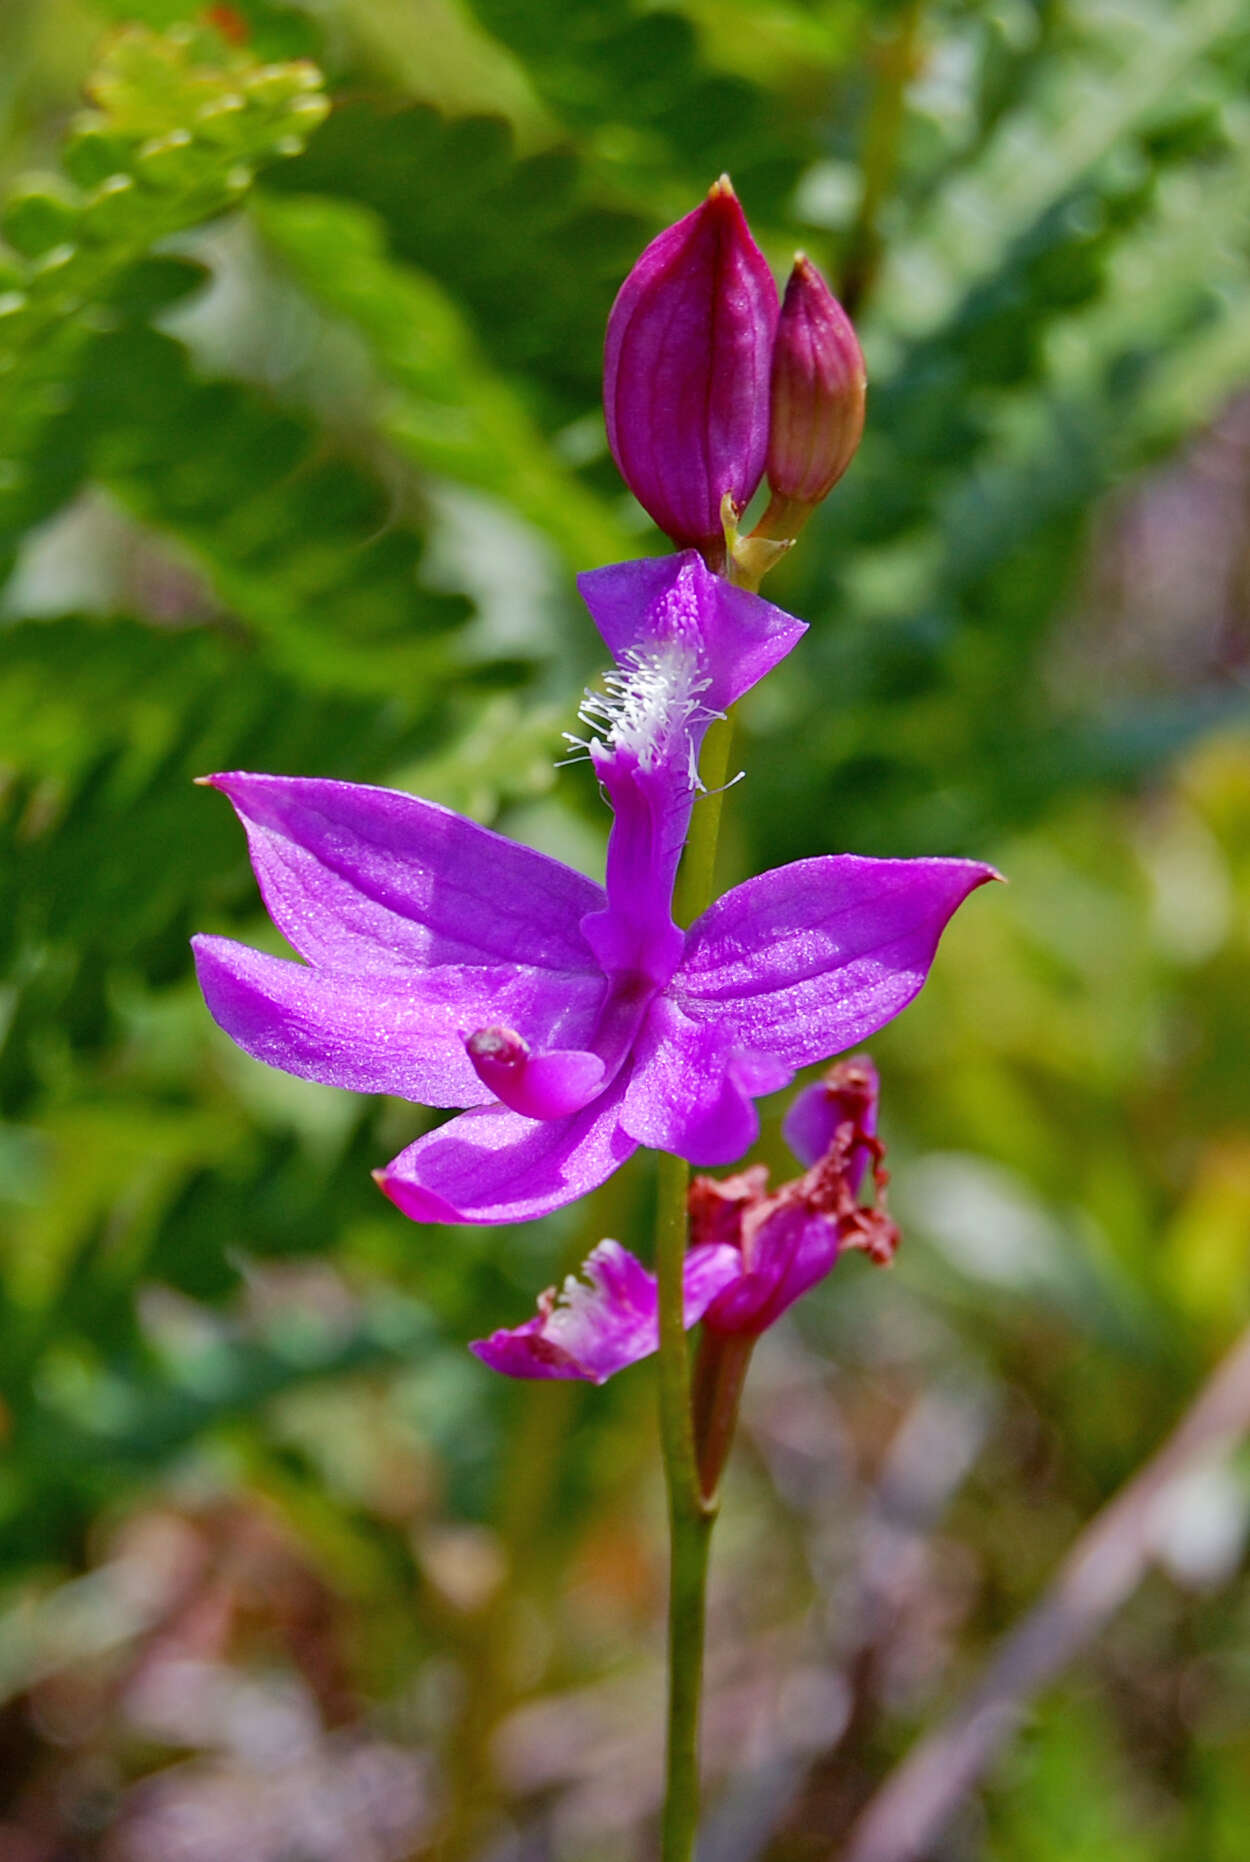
(748, 559)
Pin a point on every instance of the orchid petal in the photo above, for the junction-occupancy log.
(790, 1250)
(399, 1032)
(690, 1090)
(805, 961)
(365, 878)
(640, 607)
(634, 933)
(493, 1165)
(687, 645)
(593, 1330)
(813, 1120)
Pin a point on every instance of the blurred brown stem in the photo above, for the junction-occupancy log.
(910, 1811)
(719, 1373)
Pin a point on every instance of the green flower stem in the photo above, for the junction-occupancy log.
(690, 1514)
(690, 1524)
(879, 159)
(697, 878)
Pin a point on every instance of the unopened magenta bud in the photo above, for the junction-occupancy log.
(686, 371)
(818, 392)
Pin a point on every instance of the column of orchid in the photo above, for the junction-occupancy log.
(572, 1023)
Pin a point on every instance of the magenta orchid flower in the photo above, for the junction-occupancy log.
(448, 965)
(753, 1252)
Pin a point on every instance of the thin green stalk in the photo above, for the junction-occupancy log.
(879, 159)
(690, 1525)
(696, 881)
(690, 1514)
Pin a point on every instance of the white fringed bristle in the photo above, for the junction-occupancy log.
(650, 698)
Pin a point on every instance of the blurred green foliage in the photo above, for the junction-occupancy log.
(300, 447)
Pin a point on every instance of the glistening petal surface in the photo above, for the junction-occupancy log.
(689, 1093)
(807, 960)
(398, 1031)
(365, 878)
(492, 1165)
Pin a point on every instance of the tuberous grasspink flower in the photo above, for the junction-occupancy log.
(572, 1022)
(686, 370)
(753, 1252)
(569, 1023)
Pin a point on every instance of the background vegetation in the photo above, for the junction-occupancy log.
(300, 447)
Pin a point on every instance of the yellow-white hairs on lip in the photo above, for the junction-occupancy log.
(648, 698)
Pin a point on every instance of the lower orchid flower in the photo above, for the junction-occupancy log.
(451, 966)
(753, 1252)
(593, 1327)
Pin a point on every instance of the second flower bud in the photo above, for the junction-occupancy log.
(818, 396)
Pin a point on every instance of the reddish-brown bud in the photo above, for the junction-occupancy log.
(818, 391)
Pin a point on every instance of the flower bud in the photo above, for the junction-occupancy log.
(818, 392)
(685, 374)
